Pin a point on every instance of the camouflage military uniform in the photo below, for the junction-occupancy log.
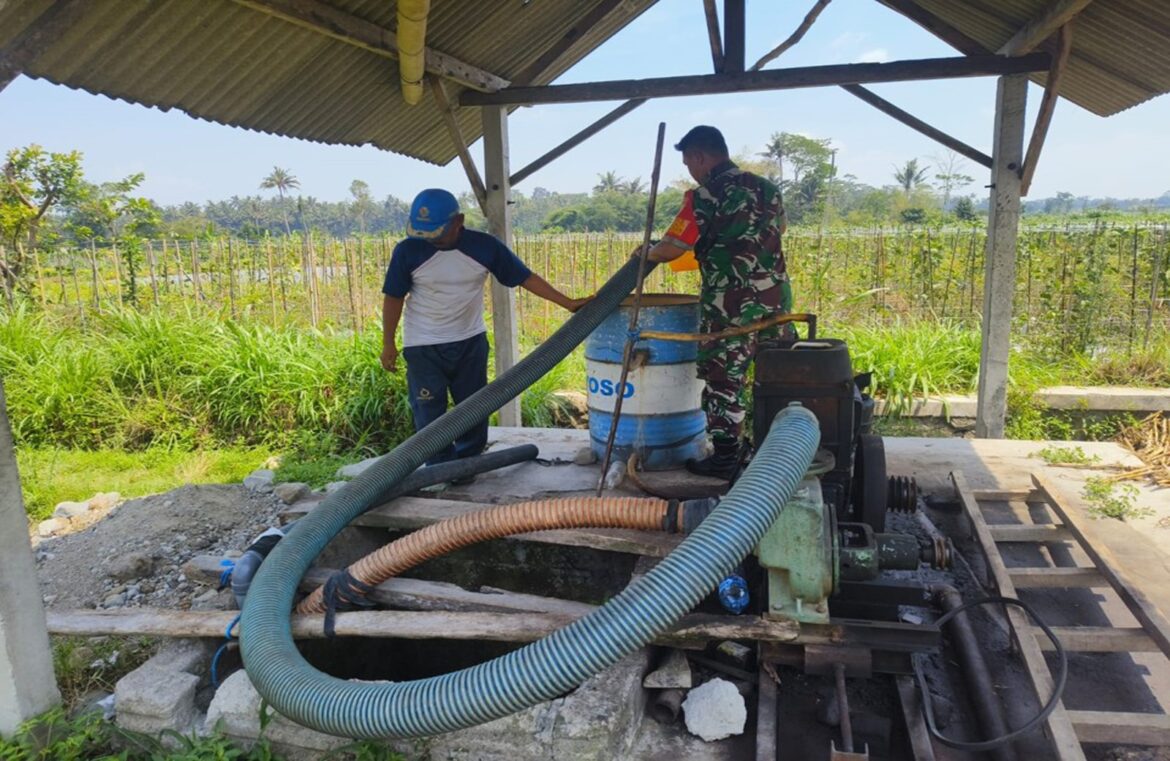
(744, 279)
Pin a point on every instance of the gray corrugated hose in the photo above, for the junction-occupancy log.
(546, 668)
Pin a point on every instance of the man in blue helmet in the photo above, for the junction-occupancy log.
(436, 276)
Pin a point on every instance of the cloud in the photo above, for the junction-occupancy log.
(876, 55)
(848, 40)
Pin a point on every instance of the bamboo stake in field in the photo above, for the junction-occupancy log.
(117, 274)
(150, 268)
(271, 274)
(353, 308)
(77, 290)
(231, 275)
(195, 274)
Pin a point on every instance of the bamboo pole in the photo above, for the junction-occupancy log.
(93, 266)
(353, 308)
(36, 262)
(231, 277)
(117, 274)
(77, 290)
(271, 275)
(195, 273)
(150, 268)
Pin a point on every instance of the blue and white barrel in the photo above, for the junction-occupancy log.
(662, 417)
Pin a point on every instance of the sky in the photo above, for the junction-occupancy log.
(186, 159)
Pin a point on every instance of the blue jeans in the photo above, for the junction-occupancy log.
(458, 368)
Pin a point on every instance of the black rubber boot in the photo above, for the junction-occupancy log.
(720, 464)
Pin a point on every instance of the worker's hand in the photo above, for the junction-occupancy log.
(390, 357)
(575, 304)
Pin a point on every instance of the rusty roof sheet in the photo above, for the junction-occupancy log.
(227, 63)
(1121, 48)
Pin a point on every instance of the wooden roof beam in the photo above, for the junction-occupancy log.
(936, 26)
(793, 38)
(1056, 15)
(1047, 107)
(21, 51)
(714, 37)
(913, 122)
(575, 140)
(444, 105)
(322, 18)
(734, 35)
(571, 37)
(776, 79)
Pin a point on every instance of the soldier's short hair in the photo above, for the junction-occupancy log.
(704, 138)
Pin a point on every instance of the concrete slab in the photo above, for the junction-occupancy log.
(1105, 398)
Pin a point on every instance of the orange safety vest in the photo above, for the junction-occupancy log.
(685, 230)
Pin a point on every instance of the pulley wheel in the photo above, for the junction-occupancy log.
(870, 489)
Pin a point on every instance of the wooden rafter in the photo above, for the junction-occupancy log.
(1047, 107)
(776, 79)
(1055, 16)
(713, 35)
(325, 19)
(913, 122)
(793, 38)
(576, 140)
(570, 38)
(444, 105)
(21, 51)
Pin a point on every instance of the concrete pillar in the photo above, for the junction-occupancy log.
(27, 684)
(999, 279)
(499, 219)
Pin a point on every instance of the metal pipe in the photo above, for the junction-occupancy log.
(666, 704)
(981, 689)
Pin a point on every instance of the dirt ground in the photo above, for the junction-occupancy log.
(133, 556)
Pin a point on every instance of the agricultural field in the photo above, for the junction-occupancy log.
(203, 358)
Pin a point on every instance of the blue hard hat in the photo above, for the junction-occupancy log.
(430, 213)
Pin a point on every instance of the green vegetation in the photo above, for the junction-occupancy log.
(55, 736)
(1108, 499)
(49, 475)
(1055, 455)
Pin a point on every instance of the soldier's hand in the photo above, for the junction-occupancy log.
(575, 304)
(390, 357)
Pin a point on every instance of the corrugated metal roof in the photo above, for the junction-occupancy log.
(1121, 48)
(224, 62)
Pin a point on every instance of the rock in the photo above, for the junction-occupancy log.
(353, 470)
(70, 509)
(291, 492)
(52, 526)
(115, 601)
(133, 565)
(585, 456)
(734, 653)
(104, 500)
(259, 481)
(333, 486)
(715, 710)
(675, 672)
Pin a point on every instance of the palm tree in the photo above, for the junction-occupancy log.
(635, 186)
(281, 180)
(608, 182)
(910, 175)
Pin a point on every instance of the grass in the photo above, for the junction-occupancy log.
(1108, 499)
(1056, 455)
(52, 474)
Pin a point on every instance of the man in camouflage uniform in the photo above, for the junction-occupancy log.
(739, 217)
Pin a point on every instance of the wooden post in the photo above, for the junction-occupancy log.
(271, 274)
(27, 685)
(499, 219)
(150, 266)
(1000, 267)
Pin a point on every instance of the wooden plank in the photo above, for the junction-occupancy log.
(1039, 532)
(1008, 495)
(999, 273)
(1047, 107)
(914, 123)
(752, 81)
(1099, 639)
(416, 594)
(323, 18)
(1143, 609)
(1064, 738)
(1060, 578)
(444, 105)
(1122, 728)
(911, 701)
(409, 513)
(766, 716)
(496, 627)
(1054, 16)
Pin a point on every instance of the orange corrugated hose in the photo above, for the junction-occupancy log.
(496, 522)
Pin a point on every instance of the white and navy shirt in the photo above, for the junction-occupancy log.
(445, 288)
